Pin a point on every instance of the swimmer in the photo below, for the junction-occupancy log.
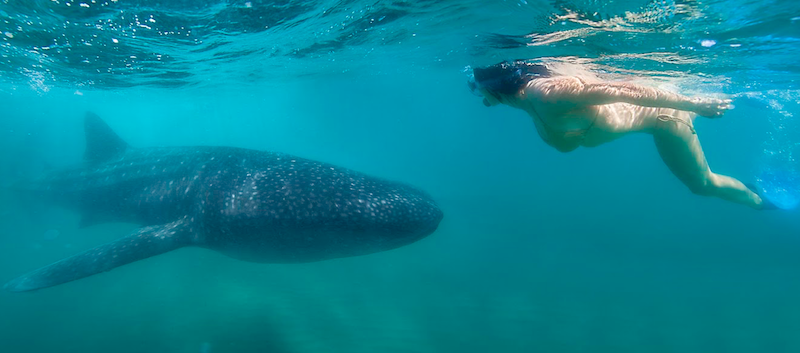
(572, 108)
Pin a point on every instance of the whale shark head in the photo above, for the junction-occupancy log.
(310, 212)
(403, 218)
(398, 217)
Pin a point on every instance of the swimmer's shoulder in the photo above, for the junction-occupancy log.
(555, 89)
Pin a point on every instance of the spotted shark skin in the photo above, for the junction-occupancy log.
(251, 205)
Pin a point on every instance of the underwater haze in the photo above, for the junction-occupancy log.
(597, 250)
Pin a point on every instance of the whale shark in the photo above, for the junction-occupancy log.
(256, 206)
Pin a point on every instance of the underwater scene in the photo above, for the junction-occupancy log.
(213, 176)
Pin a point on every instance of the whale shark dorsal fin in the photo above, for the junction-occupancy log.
(141, 244)
(102, 143)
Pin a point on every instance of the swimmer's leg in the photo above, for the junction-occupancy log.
(680, 149)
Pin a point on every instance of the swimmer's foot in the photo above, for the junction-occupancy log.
(766, 204)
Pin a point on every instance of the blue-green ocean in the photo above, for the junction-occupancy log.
(597, 250)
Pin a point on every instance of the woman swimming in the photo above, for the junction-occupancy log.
(572, 108)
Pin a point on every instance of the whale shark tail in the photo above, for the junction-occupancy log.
(141, 244)
(29, 186)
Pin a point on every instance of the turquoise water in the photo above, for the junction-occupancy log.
(598, 250)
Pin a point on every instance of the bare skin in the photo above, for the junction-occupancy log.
(570, 112)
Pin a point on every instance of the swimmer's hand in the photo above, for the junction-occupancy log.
(710, 107)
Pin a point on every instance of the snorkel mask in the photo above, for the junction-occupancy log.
(471, 83)
(475, 87)
(505, 78)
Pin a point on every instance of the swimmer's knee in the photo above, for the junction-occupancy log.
(701, 187)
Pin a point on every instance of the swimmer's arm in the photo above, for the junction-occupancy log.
(571, 89)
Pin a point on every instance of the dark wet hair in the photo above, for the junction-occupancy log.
(508, 77)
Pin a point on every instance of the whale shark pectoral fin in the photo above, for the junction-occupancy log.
(141, 244)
